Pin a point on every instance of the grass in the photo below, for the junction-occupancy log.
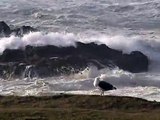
(77, 107)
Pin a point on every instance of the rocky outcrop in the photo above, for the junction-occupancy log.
(53, 60)
(133, 62)
(20, 31)
(6, 31)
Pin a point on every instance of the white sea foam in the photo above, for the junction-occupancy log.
(37, 39)
(125, 43)
(128, 84)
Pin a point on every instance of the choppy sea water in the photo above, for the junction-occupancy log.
(125, 25)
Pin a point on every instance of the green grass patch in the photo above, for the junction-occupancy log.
(77, 107)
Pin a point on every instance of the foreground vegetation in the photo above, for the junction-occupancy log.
(77, 107)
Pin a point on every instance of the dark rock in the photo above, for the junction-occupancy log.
(52, 60)
(19, 70)
(23, 30)
(133, 62)
(12, 56)
(4, 29)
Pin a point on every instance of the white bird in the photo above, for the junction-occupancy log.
(102, 85)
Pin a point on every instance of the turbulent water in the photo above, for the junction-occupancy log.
(125, 25)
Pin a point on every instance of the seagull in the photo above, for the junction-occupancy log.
(102, 85)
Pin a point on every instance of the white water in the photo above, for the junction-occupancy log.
(142, 85)
(125, 25)
(126, 43)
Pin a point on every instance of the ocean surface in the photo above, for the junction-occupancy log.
(125, 25)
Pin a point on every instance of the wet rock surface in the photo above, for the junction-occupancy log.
(45, 61)
(6, 31)
(50, 60)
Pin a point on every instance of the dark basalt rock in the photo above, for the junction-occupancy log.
(23, 30)
(6, 31)
(12, 56)
(133, 62)
(52, 60)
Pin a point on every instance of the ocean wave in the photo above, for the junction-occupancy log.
(118, 42)
(37, 39)
(127, 44)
